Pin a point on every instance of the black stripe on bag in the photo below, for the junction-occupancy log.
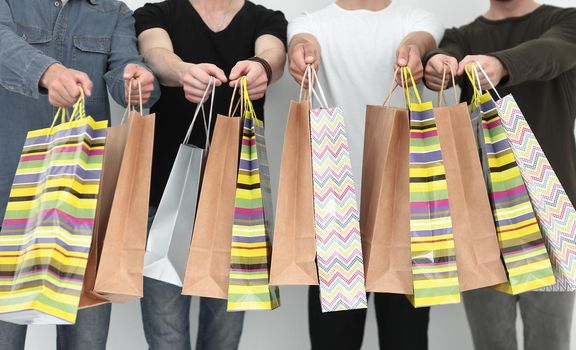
(428, 179)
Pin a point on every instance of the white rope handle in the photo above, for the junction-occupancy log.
(313, 78)
(479, 66)
(200, 108)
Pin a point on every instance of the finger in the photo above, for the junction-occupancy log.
(71, 90)
(309, 54)
(402, 56)
(130, 71)
(84, 81)
(240, 69)
(216, 72)
(63, 93)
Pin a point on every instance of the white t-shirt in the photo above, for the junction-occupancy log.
(358, 52)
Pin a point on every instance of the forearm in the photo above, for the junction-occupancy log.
(276, 58)
(423, 41)
(168, 67)
(537, 60)
(21, 65)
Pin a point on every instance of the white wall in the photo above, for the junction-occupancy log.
(286, 328)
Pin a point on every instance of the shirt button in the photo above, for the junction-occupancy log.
(24, 36)
(56, 3)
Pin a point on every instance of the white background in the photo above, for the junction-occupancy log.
(286, 327)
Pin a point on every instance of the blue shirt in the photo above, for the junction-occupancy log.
(93, 36)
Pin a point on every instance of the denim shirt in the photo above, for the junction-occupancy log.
(93, 36)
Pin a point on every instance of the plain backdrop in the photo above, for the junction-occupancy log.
(287, 327)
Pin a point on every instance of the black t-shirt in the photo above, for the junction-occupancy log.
(194, 42)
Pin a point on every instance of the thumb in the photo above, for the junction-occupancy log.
(309, 54)
(241, 68)
(130, 71)
(403, 55)
(84, 81)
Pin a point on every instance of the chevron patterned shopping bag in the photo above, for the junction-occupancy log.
(47, 229)
(554, 211)
(432, 241)
(338, 241)
(521, 243)
(249, 287)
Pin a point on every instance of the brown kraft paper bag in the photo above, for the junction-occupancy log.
(385, 204)
(294, 248)
(115, 144)
(208, 267)
(119, 278)
(477, 250)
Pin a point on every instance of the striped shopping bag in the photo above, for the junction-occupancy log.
(249, 287)
(47, 229)
(521, 243)
(434, 268)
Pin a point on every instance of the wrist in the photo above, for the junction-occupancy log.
(49, 74)
(182, 68)
(265, 65)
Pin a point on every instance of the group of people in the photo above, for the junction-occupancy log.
(48, 49)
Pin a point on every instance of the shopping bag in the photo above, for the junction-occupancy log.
(476, 244)
(432, 241)
(521, 243)
(338, 239)
(47, 229)
(112, 161)
(208, 265)
(554, 211)
(249, 287)
(171, 231)
(385, 207)
(294, 248)
(119, 278)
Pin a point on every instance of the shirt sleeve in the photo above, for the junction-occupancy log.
(301, 25)
(272, 23)
(454, 43)
(125, 51)
(423, 21)
(21, 65)
(546, 57)
(151, 16)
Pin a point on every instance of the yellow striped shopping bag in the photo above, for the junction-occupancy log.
(47, 229)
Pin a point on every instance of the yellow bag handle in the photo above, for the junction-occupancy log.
(408, 77)
(247, 102)
(472, 77)
(78, 112)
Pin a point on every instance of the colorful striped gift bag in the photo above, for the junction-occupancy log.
(521, 243)
(47, 229)
(249, 287)
(434, 268)
(554, 211)
(338, 241)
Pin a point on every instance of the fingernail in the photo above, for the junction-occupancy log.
(402, 62)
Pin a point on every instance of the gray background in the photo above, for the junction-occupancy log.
(286, 327)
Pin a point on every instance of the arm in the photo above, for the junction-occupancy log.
(303, 50)
(124, 64)
(156, 46)
(21, 65)
(272, 50)
(410, 53)
(542, 59)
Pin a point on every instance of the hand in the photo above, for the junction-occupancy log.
(409, 56)
(135, 71)
(195, 78)
(300, 57)
(256, 78)
(64, 85)
(435, 69)
(491, 65)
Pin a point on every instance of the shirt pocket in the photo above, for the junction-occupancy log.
(36, 37)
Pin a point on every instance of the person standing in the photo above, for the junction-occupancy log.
(528, 50)
(48, 51)
(356, 45)
(186, 42)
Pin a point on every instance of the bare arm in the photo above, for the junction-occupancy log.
(411, 50)
(303, 50)
(271, 49)
(156, 47)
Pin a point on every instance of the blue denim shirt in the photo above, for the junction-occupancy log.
(93, 36)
